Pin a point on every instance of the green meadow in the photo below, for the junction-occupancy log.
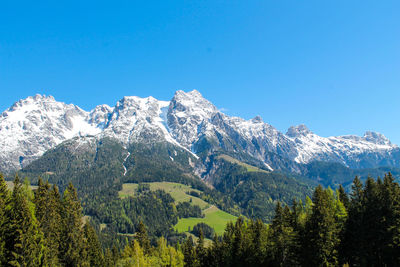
(249, 168)
(214, 217)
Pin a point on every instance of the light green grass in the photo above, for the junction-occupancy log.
(249, 168)
(214, 217)
(177, 191)
(128, 190)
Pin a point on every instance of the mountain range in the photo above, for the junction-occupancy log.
(36, 124)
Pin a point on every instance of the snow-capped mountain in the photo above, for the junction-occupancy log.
(343, 149)
(33, 125)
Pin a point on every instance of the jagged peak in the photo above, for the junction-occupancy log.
(193, 93)
(192, 100)
(299, 130)
(103, 107)
(39, 97)
(377, 138)
(135, 102)
(38, 102)
(257, 119)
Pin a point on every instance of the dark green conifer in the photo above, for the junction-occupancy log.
(283, 238)
(189, 253)
(4, 204)
(344, 198)
(321, 232)
(93, 247)
(23, 238)
(72, 249)
(47, 206)
(142, 237)
(200, 249)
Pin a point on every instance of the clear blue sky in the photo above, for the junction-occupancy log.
(332, 65)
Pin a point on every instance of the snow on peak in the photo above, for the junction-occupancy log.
(193, 102)
(188, 113)
(376, 138)
(35, 124)
(344, 149)
(257, 119)
(99, 116)
(136, 119)
(299, 130)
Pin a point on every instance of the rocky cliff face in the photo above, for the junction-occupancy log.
(33, 125)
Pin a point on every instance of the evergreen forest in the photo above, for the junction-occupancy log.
(44, 227)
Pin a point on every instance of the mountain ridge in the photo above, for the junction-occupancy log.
(33, 125)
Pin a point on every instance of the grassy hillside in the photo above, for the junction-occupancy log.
(248, 167)
(176, 190)
(213, 216)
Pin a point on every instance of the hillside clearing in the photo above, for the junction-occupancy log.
(249, 167)
(177, 191)
(213, 216)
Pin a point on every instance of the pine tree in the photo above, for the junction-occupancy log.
(142, 238)
(213, 257)
(374, 232)
(394, 227)
(41, 200)
(283, 238)
(24, 240)
(4, 204)
(72, 249)
(47, 206)
(259, 232)
(93, 247)
(321, 231)
(390, 197)
(200, 249)
(189, 253)
(108, 258)
(238, 242)
(344, 198)
(352, 245)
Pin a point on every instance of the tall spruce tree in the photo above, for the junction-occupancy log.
(352, 245)
(200, 249)
(93, 247)
(4, 204)
(23, 238)
(283, 238)
(189, 253)
(344, 198)
(142, 237)
(321, 231)
(47, 204)
(72, 249)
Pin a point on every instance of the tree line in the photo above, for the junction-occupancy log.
(45, 228)
(333, 228)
